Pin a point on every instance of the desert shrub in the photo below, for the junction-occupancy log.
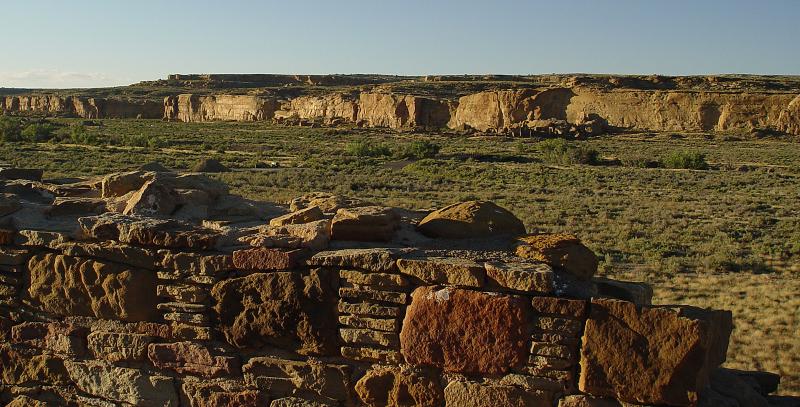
(10, 129)
(690, 160)
(79, 135)
(560, 151)
(363, 148)
(640, 162)
(38, 132)
(418, 149)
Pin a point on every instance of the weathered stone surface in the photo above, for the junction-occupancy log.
(381, 324)
(559, 250)
(196, 264)
(365, 308)
(366, 223)
(377, 280)
(191, 358)
(649, 355)
(465, 331)
(732, 386)
(68, 205)
(123, 385)
(152, 199)
(563, 326)
(470, 219)
(369, 337)
(365, 293)
(399, 386)
(380, 260)
(281, 309)
(119, 184)
(471, 394)
(527, 277)
(328, 381)
(222, 394)
(7, 235)
(183, 293)
(444, 270)
(64, 285)
(560, 307)
(112, 251)
(30, 174)
(267, 259)
(306, 215)
(21, 368)
(40, 238)
(296, 402)
(528, 382)
(9, 203)
(61, 338)
(369, 354)
(118, 347)
(143, 231)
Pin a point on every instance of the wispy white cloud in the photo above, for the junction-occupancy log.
(49, 78)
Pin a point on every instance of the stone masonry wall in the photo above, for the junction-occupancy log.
(161, 289)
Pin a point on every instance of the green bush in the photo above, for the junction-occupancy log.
(79, 135)
(690, 160)
(418, 149)
(10, 129)
(363, 148)
(38, 132)
(562, 152)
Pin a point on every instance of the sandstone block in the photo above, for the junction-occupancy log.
(306, 215)
(152, 199)
(118, 347)
(526, 277)
(465, 331)
(365, 308)
(368, 354)
(63, 285)
(381, 324)
(6, 235)
(40, 238)
(267, 259)
(450, 271)
(377, 280)
(563, 326)
(471, 394)
(192, 359)
(560, 307)
(328, 381)
(582, 400)
(183, 293)
(635, 292)
(111, 251)
(283, 309)
(360, 293)
(124, 385)
(145, 231)
(222, 394)
(559, 250)
(651, 355)
(17, 367)
(196, 264)
(366, 223)
(399, 386)
(13, 257)
(470, 219)
(369, 337)
(533, 382)
(378, 260)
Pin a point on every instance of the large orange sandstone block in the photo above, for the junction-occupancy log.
(651, 355)
(465, 331)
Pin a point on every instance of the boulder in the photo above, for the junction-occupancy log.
(651, 355)
(559, 250)
(68, 286)
(465, 331)
(399, 386)
(306, 215)
(470, 219)
(444, 270)
(282, 309)
(119, 184)
(152, 199)
(366, 223)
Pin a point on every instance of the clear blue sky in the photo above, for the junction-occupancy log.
(97, 43)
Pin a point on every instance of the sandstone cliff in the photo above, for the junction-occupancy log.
(88, 108)
(195, 108)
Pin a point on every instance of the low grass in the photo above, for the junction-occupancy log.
(725, 237)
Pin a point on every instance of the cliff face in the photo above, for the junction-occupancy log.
(495, 111)
(194, 108)
(88, 108)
